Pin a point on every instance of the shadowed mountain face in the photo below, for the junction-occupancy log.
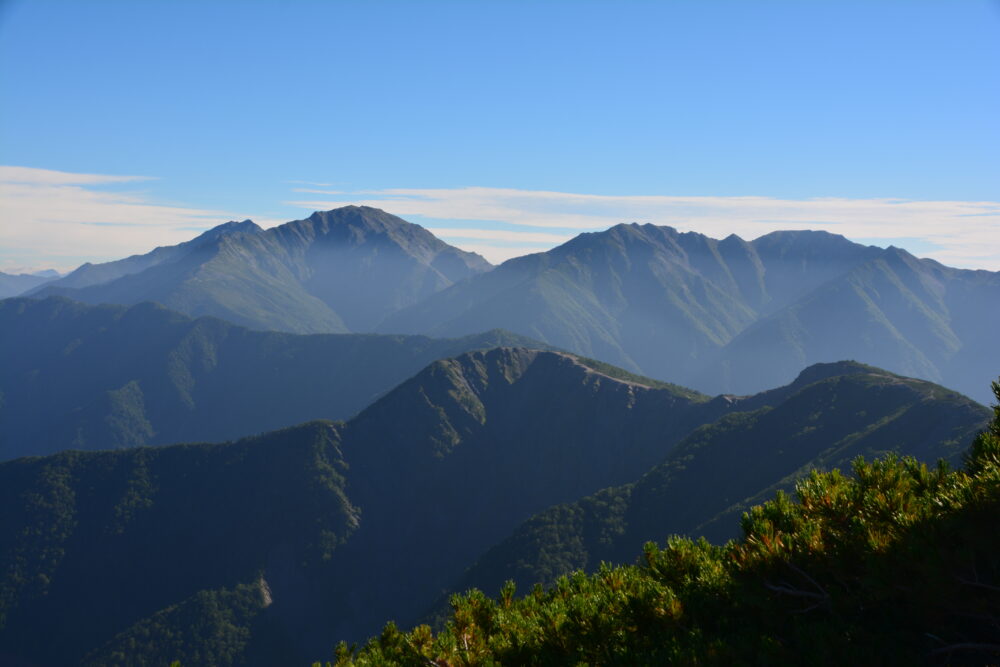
(730, 315)
(831, 414)
(455, 457)
(476, 442)
(330, 530)
(94, 542)
(89, 377)
(336, 271)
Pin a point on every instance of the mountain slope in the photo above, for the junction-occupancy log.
(89, 377)
(336, 271)
(278, 544)
(95, 274)
(92, 541)
(827, 417)
(912, 316)
(643, 297)
(894, 565)
(479, 443)
(733, 316)
(431, 463)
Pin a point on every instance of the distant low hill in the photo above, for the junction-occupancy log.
(334, 272)
(15, 284)
(270, 549)
(97, 377)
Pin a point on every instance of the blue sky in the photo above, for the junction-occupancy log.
(504, 126)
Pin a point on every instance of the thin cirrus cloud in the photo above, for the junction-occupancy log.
(958, 233)
(56, 219)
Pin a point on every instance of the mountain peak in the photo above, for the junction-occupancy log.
(645, 228)
(895, 252)
(359, 225)
(624, 233)
(366, 218)
(814, 241)
(46, 273)
(822, 371)
(229, 228)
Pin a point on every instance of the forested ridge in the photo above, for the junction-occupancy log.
(722, 469)
(893, 564)
(271, 549)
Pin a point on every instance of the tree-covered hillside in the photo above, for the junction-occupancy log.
(270, 549)
(832, 414)
(895, 564)
(430, 463)
(472, 446)
(93, 542)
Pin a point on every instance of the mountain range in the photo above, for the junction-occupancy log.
(334, 272)
(724, 315)
(78, 376)
(272, 548)
(731, 315)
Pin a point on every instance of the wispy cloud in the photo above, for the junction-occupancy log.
(55, 219)
(315, 185)
(499, 235)
(59, 219)
(961, 233)
(498, 245)
(33, 176)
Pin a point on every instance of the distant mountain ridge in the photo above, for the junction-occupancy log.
(15, 284)
(88, 274)
(913, 316)
(87, 377)
(731, 315)
(719, 315)
(333, 272)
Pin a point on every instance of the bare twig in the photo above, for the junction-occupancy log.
(804, 575)
(795, 592)
(821, 603)
(979, 617)
(967, 646)
(978, 584)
